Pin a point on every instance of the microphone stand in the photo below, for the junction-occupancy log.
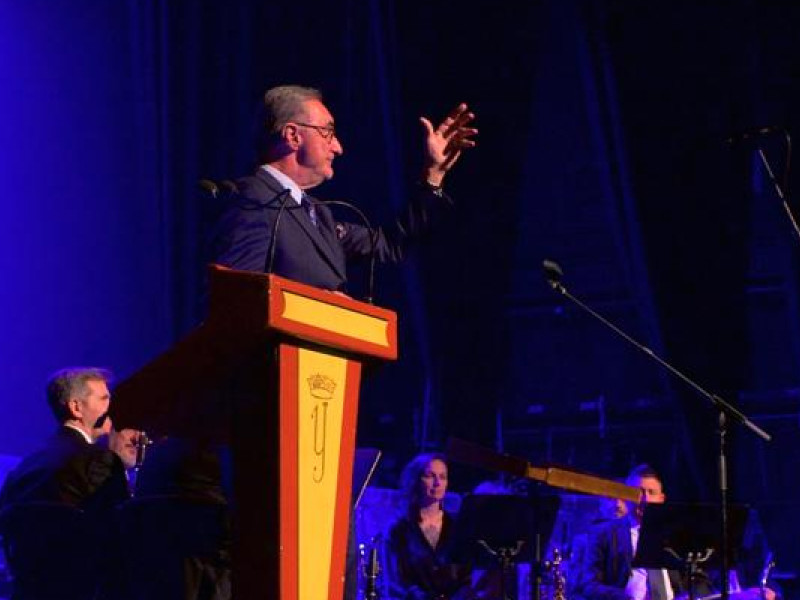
(553, 273)
(777, 187)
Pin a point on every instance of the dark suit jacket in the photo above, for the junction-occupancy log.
(57, 519)
(68, 470)
(605, 567)
(313, 255)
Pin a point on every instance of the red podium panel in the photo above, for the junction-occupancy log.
(275, 370)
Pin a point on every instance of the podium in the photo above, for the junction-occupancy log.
(274, 371)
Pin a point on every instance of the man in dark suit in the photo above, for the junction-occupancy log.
(606, 571)
(71, 468)
(297, 145)
(56, 506)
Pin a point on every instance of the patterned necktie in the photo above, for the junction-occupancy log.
(310, 209)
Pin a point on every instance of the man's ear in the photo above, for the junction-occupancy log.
(74, 408)
(291, 135)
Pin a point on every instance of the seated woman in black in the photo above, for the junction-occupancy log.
(420, 542)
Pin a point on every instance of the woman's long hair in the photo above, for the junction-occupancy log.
(410, 481)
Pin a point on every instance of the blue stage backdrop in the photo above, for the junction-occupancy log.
(82, 233)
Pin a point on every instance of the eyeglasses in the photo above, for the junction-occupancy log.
(326, 131)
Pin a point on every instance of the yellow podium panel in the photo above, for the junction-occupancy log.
(318, 431)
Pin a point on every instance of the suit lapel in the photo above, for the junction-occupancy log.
(323, 243)
(625, 546)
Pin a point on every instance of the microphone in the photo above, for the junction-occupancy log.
(281, 197)
(753, 133)
(209, 187)
(373, 243)
(142, 442)
(553, 273)
(225, 189)
(101, 420)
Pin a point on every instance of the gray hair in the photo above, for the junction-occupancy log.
(280, 105)
(70, 383)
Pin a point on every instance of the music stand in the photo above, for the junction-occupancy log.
(504, 529)
(684, 536)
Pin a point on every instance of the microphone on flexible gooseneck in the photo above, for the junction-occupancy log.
(282, 197)
(219, 191)
(781, 188)
(373, 242)
(209, 187)
(753, 134)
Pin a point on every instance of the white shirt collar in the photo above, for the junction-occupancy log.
(285, 181)
(86, 436)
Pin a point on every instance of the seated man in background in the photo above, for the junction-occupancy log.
(605, 570)
(56, 506)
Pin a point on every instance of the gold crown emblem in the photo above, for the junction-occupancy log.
(321, 386)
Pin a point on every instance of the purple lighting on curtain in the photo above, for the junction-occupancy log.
(80, 250)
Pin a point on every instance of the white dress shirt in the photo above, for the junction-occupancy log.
(636, 589)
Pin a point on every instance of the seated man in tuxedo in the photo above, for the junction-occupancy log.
(606, 571)
(64, 493)
(71, 467)
(297, 144)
